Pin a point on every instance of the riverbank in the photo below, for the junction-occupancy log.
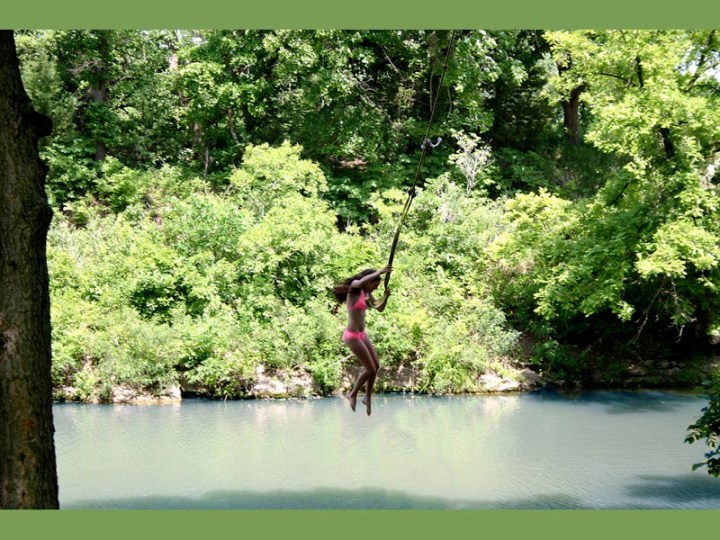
(286, 384)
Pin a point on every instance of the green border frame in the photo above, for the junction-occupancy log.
(340, 524)
(377, 14)
(358, 524)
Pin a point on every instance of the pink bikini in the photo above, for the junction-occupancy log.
(360, 304)
(352, 334)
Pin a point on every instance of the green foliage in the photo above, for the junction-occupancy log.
(96, 350)
(463, 347)
(358, 102)
(524, 251)
(555, 358)
(288, 251)
(270, 174)
(646, 243)
(708, 427)
(522, 119)
(519, 170)
(169, 283)
(215, 353)
(647, 89)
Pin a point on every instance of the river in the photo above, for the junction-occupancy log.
(540, 450)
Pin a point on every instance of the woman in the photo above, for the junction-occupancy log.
(356, 292)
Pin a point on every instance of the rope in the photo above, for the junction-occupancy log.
(424, 148)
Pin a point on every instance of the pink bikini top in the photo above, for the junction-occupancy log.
(360, 304)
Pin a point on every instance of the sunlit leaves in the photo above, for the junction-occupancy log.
(675, 247)
(636, 81)
(707, 427)
(269, 174)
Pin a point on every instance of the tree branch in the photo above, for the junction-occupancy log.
(703, 59)
(638, 67)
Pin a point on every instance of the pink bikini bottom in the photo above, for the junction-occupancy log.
(350, 334)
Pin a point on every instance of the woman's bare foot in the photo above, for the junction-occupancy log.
(353, 399)
(368, 408)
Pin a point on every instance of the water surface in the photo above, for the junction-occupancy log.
(540, 450)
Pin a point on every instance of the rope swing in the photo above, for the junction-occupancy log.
(426, 144)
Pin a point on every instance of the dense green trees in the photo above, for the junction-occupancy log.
(357, 102)
(654, 105)
(213, 184)
(644, 247)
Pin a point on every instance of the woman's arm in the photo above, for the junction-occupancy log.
(358, 283)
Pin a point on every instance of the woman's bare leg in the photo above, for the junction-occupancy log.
(360, 350)
(367, 400)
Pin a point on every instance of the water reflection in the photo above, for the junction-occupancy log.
(623, 401)
(681, 491)
(328, 499)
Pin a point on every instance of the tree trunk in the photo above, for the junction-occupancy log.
(28, 477)
(571, 109)
(100, 93)
(571, 116)
(668, 145)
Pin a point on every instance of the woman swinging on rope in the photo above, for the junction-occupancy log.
(356, 292)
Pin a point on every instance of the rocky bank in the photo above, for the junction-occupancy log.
(286, 384)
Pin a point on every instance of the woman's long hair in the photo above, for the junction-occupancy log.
(340, 291)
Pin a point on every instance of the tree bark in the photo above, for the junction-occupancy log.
(571, 110)
(28, 476)
(571, 116)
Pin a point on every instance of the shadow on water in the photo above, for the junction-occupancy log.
(658, 492)
(678, 489)
(324, 499)
(623, 401)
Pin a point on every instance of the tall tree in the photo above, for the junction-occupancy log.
(649, 246)
(109, 96)
(28, 477)
(571, 112)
